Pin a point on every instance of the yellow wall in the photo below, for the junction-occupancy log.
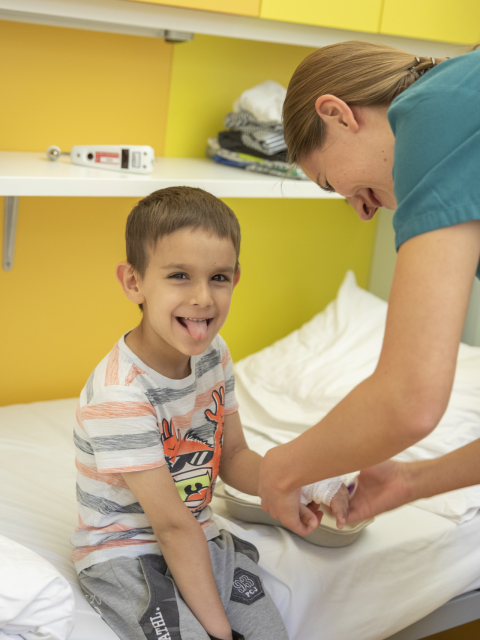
(66, 87)
(61, 308)
(294, 257)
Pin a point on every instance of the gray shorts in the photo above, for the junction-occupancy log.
(138, 598)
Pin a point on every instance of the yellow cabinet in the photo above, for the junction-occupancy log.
(238, 7)
(356, 15)
(444, 20)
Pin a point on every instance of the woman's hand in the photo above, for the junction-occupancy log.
(339, 506)
(391, 484)
(382, 487)
(282, 504)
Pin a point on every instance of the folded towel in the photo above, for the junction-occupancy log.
(264, 101)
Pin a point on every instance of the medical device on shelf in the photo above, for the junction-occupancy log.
(126, 158)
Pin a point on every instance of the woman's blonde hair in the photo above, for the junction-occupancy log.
(359, 73)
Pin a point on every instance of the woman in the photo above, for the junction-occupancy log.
(353, 113)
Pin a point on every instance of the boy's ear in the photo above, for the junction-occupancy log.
(237, 277)
(130, 282)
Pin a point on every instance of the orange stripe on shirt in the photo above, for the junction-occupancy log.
(234, 409)
(201, 401)
(78, 417)
(106, 410)
(132, 374)
(140, 467)
(81, 552)
(111, 528)
(115, 480)
(111, 375)
(226, 358)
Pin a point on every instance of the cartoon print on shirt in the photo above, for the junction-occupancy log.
(194, 459)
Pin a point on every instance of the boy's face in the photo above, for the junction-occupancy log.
(187, 288)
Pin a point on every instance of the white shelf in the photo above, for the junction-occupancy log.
(136, 18)
(32, 174)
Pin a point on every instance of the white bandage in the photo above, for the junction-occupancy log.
(323, 491)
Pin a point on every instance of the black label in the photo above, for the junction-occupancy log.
(247, 587)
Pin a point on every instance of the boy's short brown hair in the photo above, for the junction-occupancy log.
(168, 210)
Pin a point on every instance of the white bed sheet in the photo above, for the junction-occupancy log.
(405, 565)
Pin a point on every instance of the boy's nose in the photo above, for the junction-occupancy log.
(202, 295)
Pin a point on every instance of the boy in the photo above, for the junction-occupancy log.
(157, 422)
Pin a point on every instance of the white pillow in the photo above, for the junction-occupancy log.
(295, 382)
(36, 602)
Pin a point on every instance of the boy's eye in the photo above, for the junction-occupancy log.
(220, 278)
(178, 276)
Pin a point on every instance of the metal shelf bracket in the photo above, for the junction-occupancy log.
(10, 214)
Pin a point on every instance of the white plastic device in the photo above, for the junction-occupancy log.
(126, 158)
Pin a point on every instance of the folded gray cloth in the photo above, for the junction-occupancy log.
(247, 122)
(251, 163)
(249, 140)
(266, 137)
(232, 140)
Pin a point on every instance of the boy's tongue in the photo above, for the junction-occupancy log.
(197, 329)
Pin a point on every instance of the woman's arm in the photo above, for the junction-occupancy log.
(391, 484)
(408, 393)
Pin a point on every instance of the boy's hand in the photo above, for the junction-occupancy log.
(338, 506)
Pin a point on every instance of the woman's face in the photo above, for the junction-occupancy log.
(356, 160)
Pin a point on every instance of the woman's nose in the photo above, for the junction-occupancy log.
(364, 210)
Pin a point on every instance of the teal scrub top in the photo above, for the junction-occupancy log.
(436, 170)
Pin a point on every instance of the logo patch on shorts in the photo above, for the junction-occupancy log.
(247, 587)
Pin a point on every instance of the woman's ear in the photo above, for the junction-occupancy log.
(129, 282)
(336, 113)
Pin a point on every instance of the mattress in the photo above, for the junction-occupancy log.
(403, 566)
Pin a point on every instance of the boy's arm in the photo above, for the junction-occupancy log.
(183, 545)
(240, 469)
(239, 465)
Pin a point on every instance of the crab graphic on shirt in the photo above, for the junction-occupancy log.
(194, 459)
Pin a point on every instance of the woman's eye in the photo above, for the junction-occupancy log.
(329, 186)
(220, 278)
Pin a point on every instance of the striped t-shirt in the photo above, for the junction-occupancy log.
(131, 418)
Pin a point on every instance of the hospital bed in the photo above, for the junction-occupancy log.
(411, 573)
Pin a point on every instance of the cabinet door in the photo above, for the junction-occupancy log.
(238, 7)
(358, 15)
(443, 20)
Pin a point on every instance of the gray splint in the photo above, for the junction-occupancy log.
(327, 534)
